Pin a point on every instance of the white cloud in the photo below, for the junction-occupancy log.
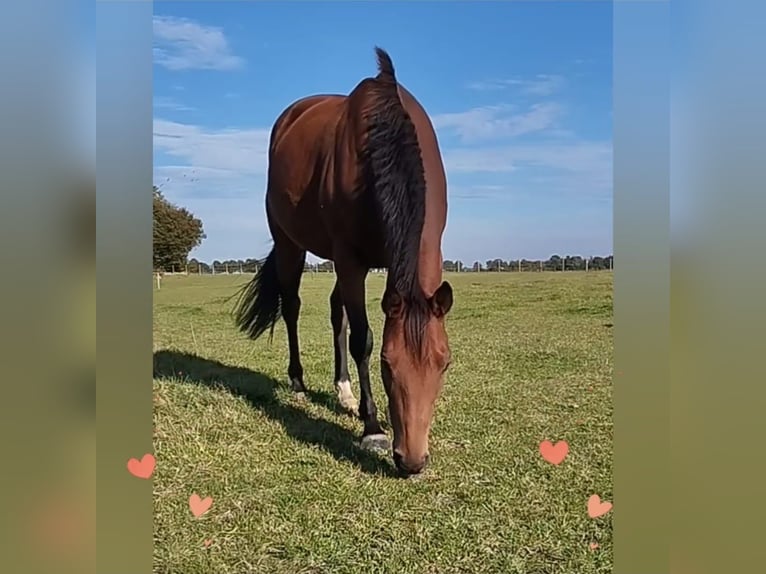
(162, 102)
(182, 44)
(241, 151)
(532, 235)
(236, 228)
(234, 161)
(493, 122)
(540, 85)
(220, 176)
(578, 168)
(471, 192)
(184, 182)
(580, 156)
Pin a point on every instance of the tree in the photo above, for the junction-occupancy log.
(598, 263)
(496, 265)
(576, 262)
(554, 263)
(175, 233)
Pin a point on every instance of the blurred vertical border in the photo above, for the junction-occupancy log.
(48, 281)
(641, 139)
(718, 303)
(124, 234)
(690, 312)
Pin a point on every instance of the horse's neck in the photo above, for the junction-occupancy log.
(430, 256)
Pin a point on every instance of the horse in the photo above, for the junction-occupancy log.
(358, 179)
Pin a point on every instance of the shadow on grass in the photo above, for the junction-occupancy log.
(260, 392)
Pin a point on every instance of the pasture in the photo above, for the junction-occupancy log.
(293, 493)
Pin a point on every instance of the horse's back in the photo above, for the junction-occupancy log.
(301, 140)
(299, 153)
(305, 117)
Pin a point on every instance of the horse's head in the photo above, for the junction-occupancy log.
(415, 355)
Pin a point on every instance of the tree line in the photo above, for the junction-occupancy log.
(553, 263)
(176, 232)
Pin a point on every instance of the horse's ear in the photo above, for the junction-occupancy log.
(441, 300)
(392, 304)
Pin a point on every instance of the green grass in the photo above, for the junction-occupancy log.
(293, 493)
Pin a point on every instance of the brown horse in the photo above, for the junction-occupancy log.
(359, 180)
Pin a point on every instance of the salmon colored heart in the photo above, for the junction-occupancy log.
(199, 506)
(554, 453)
(207, 542)
(593, 545)
(143, 468)
(597, 508)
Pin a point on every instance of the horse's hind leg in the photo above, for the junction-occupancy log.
(339, 321)
(290, 262)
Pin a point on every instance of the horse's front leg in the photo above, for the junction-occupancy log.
(351, 278)
(339, 320)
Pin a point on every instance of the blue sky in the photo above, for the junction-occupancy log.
(519, 92)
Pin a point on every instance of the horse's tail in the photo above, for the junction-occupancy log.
(259, 304)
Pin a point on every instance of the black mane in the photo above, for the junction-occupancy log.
(395, 169)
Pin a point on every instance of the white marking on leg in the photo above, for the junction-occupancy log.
(346, 397)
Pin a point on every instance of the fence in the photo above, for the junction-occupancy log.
(525, 267)
(497, 265)
(591, 264)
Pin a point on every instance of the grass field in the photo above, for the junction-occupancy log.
(293, 493)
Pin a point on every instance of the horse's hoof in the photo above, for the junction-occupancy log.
(350, 406)
(297, 386)
(376, 443)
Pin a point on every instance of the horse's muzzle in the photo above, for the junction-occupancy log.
(410, 467)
